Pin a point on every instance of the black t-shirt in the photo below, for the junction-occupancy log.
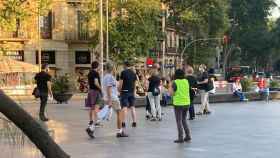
(42, 79)
(92, 76)
(201, 78)
(154, 82)
(193, 84)
(129, 77)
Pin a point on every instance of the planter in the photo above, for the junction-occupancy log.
(62, 97)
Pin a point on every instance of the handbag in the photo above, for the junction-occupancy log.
(36, 92)
(156, 91)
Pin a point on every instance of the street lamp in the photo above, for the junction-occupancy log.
(101, 36)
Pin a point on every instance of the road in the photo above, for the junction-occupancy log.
(243, 130)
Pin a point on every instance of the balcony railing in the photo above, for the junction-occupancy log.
(16, 35)
(78, 37)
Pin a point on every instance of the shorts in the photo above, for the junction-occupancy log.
(93, 98)
(127, 100)
(116, 105)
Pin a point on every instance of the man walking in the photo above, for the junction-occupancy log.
(110, 92)
(43, 81)
(127, 90)
(93, 98)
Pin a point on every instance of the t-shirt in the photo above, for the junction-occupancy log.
(154, 82)
(110, 81)
(42, 79)
(129, 77)
(201, 78)
(92, 76)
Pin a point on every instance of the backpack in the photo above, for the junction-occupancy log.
(156, 91)
(210, 84)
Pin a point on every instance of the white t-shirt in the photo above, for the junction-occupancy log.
(110, 81)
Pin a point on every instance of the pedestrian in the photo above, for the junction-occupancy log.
(43, 81)
(127, 88)
(193, 88)
(110, 96)
(154, 95)
(203, 90)
(93, 98)
(263, 89)
(181, 100)
(237, 90)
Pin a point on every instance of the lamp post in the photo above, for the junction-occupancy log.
(163, 7)
(107, 30)
(194, 41)
(39, 37)
(101, 36)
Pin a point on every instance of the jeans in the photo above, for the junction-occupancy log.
(204, 101)
(155, 105)
(43, 104)
(191, 110)
(181, 113)
(240, 95)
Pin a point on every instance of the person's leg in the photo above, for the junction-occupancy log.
(239, 94)
(207, 105)
(185, 124)
(203, 95)
(148, 108)
(152, 104)
(191, 111)
(178, 116)
(116, 106)
(43, 104)
(124, 104)
(158, 107)
(131, 100)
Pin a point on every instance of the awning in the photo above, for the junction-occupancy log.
(13, 66)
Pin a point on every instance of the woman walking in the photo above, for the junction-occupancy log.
(193, 88)
(180, 90)
(154, 95)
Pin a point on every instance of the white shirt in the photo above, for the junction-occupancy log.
(110, 81)
(236, 87)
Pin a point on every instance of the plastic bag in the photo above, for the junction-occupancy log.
(104, 113)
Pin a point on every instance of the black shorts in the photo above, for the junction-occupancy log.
(127, 99)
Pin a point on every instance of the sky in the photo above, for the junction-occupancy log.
(276, 11)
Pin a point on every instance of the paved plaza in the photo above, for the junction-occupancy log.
(243, 130)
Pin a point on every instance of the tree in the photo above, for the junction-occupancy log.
(252, 33)
(13, 10)
(135, 28)
(203, 19)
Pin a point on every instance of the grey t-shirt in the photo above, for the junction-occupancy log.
(110, 81)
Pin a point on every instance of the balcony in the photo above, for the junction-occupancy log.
(16, 36)
(81, 37)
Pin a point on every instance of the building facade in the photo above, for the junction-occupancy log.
(66, 38)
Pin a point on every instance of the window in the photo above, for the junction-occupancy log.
(16, 55)
(46, 26)
(82, 26)
(82, 57)
(47, 57)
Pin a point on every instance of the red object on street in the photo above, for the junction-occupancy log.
(261, 83)
(150, 62)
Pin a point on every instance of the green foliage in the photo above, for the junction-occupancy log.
(252, 30)
(135, 29)
(247, 84)
(12, 10)
(63, 84)
(274, 84)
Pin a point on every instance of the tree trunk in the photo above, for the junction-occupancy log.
(30, 127)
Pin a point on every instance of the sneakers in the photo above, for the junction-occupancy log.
(179, 141)
(208, 112)
(187, 139)
(134, 124)
(153, 119)
(121, 135)
(199, 113)
(90, 132)
(44, 118)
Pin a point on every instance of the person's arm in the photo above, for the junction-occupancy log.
(96, 82)
(109, 95)
(172, 88)
(49, 84)
(205, 76)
